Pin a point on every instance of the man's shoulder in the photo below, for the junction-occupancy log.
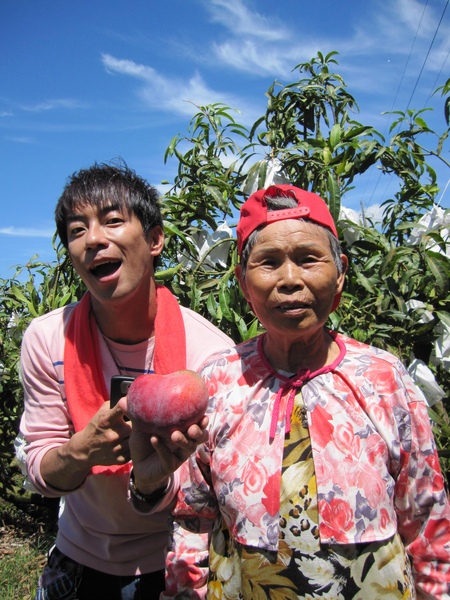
(203, 339)
(52, 320)
(196, 323)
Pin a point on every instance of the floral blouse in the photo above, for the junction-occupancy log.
(376, 468)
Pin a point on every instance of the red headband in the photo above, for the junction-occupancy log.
(254, 211)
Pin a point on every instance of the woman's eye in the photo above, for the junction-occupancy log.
(269, 262)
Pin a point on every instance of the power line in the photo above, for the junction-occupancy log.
(417, 80)
(407, 62)
(433, 87)
(428, 53)
(393, 104)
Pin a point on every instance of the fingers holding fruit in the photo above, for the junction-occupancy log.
(168, 416)
(193, 436)
(121, 452)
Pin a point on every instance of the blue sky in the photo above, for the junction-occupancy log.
(90, 81)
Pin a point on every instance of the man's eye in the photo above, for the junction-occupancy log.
(76, 230)
(114, 221)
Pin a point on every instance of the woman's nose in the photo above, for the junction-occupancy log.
(291, 275)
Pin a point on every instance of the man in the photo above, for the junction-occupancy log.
(76, 445)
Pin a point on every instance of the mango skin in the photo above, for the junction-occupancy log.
(161, 404)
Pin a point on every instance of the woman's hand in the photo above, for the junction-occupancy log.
(155, 459)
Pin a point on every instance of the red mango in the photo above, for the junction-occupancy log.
(161, 404)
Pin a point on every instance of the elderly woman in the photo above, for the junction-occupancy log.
(320, 478)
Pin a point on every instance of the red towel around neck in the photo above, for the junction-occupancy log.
(83, 374)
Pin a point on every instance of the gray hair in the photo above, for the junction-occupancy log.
(279, 203)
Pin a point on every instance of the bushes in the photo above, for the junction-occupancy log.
(397, 292)
(34, 290)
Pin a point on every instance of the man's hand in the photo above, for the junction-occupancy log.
(155, 459)
(104, 441)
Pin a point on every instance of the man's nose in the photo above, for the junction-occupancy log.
(95, 236)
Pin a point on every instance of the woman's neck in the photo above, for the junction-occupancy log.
(313, 355)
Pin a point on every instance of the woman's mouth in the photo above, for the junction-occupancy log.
(292, 307)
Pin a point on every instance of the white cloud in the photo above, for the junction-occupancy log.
(127, 67)
(407, 27)
(27, 232)
(65, 103)
(251, 43)
(374, 213)
(239, 19)
(21, 139)
(412, 12)
(177, 95)
(253, 57)
(254, 44)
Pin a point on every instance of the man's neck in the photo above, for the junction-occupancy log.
(131, 323)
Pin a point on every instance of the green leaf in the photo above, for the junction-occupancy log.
(251, 178)
(434, 263)
(444, 317)
(211, 305)
(262, 174)
(224, 302)
(365, 282)
(334, 197)
(171, 148)
(215, 193)
(171, 229)
(335, 136)
(167, 274)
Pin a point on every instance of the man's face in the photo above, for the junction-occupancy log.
(291, 279)
(110, 252)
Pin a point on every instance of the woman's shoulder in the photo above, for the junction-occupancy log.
(372, 363)
(243, 352)
(355, 348)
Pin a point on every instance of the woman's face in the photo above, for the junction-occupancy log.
(291, 279)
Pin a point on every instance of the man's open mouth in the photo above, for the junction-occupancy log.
(105, 269)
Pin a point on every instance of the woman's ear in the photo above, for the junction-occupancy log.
(341, 277)
(240, 277)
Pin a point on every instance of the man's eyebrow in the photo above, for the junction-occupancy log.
(73, 217)
(102, 210)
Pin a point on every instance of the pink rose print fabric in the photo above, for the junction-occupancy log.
(367, 465)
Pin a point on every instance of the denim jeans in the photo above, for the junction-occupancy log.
(65, 579)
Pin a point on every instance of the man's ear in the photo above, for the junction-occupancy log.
(155, 238)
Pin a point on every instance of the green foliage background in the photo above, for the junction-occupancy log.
(309, 127)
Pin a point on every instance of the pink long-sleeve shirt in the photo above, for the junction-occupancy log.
(98, 526)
